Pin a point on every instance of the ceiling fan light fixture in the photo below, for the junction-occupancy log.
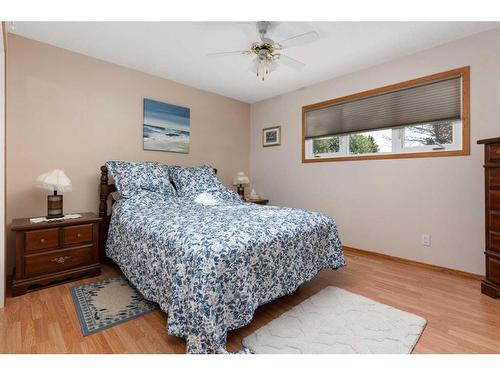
(263, 69)
(268, 52)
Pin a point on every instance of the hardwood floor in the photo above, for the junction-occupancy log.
(460, 318)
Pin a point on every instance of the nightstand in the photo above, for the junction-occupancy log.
(54, 251)
(260, 201)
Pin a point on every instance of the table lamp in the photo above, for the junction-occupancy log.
(56, 181)
(239, 180)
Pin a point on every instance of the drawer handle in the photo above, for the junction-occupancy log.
(497, 152)
(42, 240)
(78, 235)
(61, 260)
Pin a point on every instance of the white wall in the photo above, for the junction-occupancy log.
(385, 205)
(2, 172)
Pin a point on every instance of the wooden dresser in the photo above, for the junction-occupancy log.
(491, 285)
(51, 252)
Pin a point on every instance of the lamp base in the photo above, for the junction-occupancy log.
(54, 206)
(241, 191)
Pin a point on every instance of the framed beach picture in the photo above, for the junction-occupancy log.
(271, 136)
(165, 127)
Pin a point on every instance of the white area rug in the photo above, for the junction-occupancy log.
(335, 321)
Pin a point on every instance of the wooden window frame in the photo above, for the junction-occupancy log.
(464, 72)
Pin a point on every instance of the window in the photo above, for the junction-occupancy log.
(425, 135)
(379, 141)
(419, 118)
(408, 139)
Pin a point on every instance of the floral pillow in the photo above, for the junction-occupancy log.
(133, 177)
(192, 181)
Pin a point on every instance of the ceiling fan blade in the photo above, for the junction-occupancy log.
(299, 40)
(272, 66)
(229, 53)
(291, 63)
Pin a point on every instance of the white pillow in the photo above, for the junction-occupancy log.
(206, 199)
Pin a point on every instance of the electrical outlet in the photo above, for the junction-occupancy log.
(426, 240)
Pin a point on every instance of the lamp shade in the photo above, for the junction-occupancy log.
(240, 179)
(54, 180)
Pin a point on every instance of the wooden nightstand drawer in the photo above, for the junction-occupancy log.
(57, 261)
(55, 251)
(260, 201)
(38, 240)
(77, 234)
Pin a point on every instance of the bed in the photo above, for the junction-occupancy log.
(210, 259)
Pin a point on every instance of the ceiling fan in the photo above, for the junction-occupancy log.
(269, 52)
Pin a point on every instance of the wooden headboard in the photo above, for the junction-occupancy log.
(104, 191)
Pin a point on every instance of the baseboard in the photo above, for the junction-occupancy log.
(354, 251)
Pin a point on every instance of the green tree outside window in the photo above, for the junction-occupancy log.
(362, 144)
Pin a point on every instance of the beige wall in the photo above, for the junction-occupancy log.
(2, 171)
(73, 112)
(385, 205)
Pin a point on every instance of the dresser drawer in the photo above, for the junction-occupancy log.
(41, 240)
(493, 269)
(77, 234)
(494, 241)
(495, 222)
(493, 178)
(495, 200)
(57, 261)
(494, 152)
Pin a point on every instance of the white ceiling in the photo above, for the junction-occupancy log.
(178, 50)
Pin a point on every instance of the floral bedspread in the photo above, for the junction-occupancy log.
(209, 266)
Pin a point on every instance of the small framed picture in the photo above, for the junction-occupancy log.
(271, 136)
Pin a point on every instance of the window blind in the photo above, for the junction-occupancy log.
(423, 103)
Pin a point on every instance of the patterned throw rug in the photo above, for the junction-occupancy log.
(335, 321)
(106, 303)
